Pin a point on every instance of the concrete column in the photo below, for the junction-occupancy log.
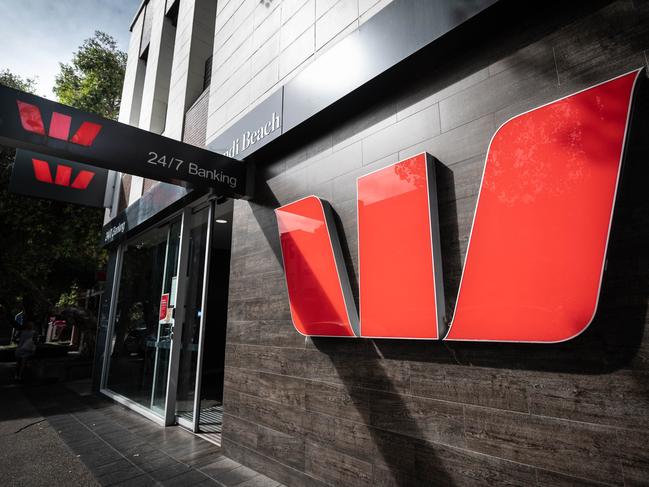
(194, 38)
(133, 77)
(158, 69)
(155, 90)
(129, 111)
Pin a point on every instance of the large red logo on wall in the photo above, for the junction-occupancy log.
(536, 252)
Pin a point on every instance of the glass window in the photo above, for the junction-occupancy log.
(140, 340)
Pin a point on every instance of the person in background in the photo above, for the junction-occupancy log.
(17, 324)
(6, 326)
(26, 348)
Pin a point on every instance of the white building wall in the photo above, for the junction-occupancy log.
(158, 69)
(129, 110)
(260, 45)
(194, 34)
(155, 92)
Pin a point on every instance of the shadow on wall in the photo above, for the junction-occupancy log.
(612, 342)
(398, 459)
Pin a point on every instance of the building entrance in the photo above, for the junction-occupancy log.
(166, 343)
(199, 405)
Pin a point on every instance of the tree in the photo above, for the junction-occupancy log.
(48, 247)
(7, 78)
(93, 79)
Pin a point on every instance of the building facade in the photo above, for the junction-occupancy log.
(196, 327)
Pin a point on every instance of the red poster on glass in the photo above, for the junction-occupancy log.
(164, 303)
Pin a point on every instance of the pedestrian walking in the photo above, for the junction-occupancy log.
(26, 348)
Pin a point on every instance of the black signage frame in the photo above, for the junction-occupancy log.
(30, 122)
(53, 178)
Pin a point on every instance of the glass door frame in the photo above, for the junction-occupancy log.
(169, 417)
(194, 424)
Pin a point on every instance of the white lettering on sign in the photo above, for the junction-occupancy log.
(213, 174)
(175, 164)
(251, 137)
(111, 232)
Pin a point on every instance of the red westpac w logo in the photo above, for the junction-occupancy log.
(32, 121)
(62, 176)
(536, 252)
(59, 128)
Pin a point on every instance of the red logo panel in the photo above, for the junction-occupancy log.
(538, 244)
(32, 121)
(537, 249)
(398, 251)
(63, 175)
(318, 286)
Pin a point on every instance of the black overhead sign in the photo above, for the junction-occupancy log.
(58, 179)
(34, 123)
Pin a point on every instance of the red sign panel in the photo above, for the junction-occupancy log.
(164, 304)
(398, 252)
(34, 174)
(43, 174)
(537, 248)
(32, 121)
(538, 244)
(318, 285)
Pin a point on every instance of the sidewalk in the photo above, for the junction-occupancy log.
(53, 435)
(31, 452)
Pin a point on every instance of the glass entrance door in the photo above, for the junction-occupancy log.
(161, 345)
(189, 363)
(142, 330)
(159, 327)
(200, 377)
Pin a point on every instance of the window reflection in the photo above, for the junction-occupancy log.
(132, 359)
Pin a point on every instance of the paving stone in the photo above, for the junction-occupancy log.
(220, 467)
(119, 471)
(170, 471)
(206, 460)
(162, 462)
(260, 481)
(139, 481)
(236, 476)
(97, 458)
(192, 477)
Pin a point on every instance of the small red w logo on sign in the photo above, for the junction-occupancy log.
(32, 121)
(63, 175)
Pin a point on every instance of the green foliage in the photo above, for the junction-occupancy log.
(47, 246)
(70, 298)
(7, 78)
(50, 248)
(93, 80)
